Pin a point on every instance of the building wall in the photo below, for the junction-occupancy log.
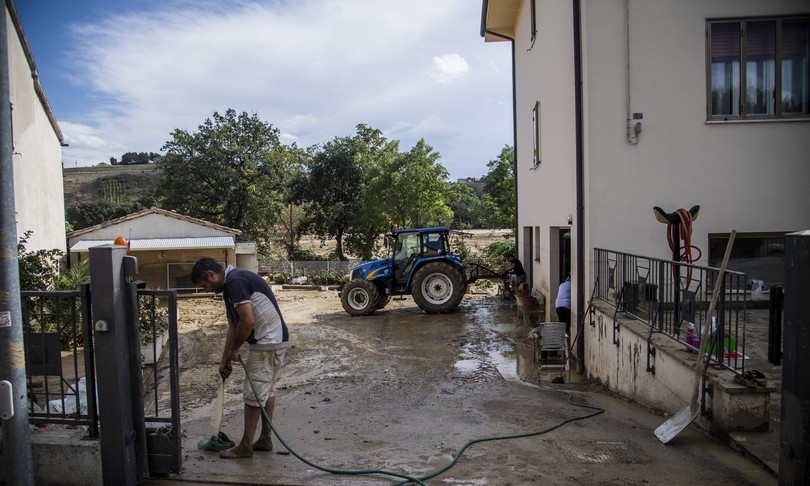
(748, 176)
(38, 193)
(150, 226)
(546, 193)
(170, 267)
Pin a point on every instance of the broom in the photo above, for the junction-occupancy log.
(217, 441)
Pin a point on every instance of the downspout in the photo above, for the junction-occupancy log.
(484, 30)
(580, 224)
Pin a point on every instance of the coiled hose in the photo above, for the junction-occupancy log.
(420, 479)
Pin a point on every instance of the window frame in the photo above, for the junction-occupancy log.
(741, 105)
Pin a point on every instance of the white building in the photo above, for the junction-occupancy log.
(37, 147)
(634, 104)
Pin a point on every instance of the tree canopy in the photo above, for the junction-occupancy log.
(499, 190)
(234, 171)
(228, 172)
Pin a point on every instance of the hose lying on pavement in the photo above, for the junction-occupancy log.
(419, 479)
(353, 472)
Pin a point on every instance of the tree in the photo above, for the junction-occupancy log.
(228, 173)
(466, 205)
(499, 189)
(333, 189)
(91, 213)
(410, 188)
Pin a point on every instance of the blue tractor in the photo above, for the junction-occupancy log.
(421, 265)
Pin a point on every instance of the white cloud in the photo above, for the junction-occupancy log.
(312, 68)
(448, 67)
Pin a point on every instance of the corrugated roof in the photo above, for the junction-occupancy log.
(162, 243)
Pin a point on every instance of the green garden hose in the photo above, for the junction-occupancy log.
(353, 472)
(419, 479)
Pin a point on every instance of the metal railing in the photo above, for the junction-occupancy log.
(60, 372)
(673, 298)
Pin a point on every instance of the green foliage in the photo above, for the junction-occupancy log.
(333, 190)
(91, 213)
(466, 204)
(230, 172)
(499, 190)
(329, 277)
(281, 278)
(153, 317)
(74, 277)
(132, 158)
(38, 269)
(500, 249)
(410, 188)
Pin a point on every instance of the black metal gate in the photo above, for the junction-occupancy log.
(157, 324)
(61, 376)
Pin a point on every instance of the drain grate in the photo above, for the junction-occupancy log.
(601, 452)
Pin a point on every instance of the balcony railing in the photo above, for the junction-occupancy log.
(673, 298)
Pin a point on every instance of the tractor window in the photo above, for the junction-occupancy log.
(433, 244)
(407, 246)
(407, 252)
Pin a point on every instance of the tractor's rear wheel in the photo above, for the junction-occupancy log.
(359, 297)
(437, 287)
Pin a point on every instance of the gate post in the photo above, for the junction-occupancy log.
(109, 267)
(794, 449)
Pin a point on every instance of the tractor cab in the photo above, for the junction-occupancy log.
(412, 246)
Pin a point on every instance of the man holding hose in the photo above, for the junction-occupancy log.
(253, 317)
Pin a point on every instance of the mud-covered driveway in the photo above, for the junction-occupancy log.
(404, 391)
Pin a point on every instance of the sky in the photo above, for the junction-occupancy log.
(121, 76)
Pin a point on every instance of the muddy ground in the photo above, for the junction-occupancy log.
(404, 391)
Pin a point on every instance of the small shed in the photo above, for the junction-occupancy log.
(166, 245)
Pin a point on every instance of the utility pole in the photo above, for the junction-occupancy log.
(17, 459)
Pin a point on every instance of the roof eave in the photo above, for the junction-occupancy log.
(499, 19)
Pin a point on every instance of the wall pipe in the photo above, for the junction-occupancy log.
(484, 30)
(17, 458)
(579, 142)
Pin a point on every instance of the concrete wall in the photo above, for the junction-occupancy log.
(38, 192)
(619, 360)
(63, 456)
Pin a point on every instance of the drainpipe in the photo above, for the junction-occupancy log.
(580, 223)
(18, 464)
(484, 30)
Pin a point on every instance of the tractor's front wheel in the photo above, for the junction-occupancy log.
(359, 297)
(382, 301)
(437, 287)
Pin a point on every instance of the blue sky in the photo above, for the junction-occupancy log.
(121, 75)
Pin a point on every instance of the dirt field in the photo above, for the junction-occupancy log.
(404, 391)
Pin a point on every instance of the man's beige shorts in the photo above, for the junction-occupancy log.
(264, 368)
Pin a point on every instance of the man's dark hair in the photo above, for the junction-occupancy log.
(200, 270)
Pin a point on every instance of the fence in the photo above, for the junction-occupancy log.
(60, 363)
(60, 372)
(668, 295)
(303, 268)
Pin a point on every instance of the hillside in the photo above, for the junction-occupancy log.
(112, 182)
